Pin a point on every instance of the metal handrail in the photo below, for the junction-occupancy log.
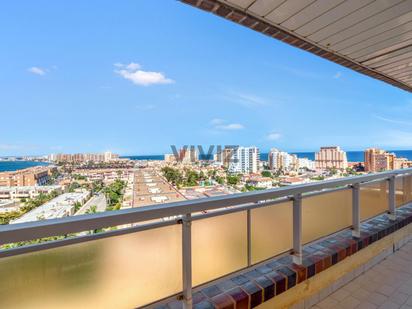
(62, 226)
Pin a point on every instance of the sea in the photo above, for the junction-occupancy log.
(353, 156)
(9, 166)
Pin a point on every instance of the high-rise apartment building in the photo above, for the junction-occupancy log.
(109, 156)
(306, 163)
(244, 160)
(377, 160)
(282, 160)
(188, 154)
(331, 157)
(223, 156)
(84, 157)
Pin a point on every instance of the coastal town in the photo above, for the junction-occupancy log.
(76, 184)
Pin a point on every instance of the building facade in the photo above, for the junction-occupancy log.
(83, 157)
(32, 176)
(282, 160)
(17, 193)
(244, 160)
(188, 154)
(306, 163)
(223, 156)
(377, 160)
(331, 157)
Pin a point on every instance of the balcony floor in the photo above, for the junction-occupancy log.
(388, 284)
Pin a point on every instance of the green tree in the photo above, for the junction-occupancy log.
(77, 206)
(92, 210)
(233, 179)
(266, 174)
(220, 180)
(114, 194)
(172, 175)
(73, 186)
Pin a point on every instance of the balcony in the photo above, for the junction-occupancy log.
(246, 248)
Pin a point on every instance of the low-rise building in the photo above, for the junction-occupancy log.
(108, 175)
(32, 176)
(260, 182)
(26, 192)
(61, 206)
(8, 206)
(287, 181)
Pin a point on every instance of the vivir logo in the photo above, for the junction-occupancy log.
(191, 153)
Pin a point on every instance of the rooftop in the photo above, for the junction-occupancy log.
(58, 207)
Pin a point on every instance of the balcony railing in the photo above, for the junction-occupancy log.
(168, 249)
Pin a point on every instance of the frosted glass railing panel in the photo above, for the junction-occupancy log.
(271, 230)
(326, 214)
(403, 190)
(117, 272)
(399, 191)
(219, 246)
(373, 199)
(407, 189)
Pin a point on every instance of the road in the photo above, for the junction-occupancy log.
(98, 200)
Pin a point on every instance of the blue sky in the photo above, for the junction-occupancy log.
(137, 76)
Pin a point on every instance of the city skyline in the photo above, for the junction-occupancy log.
(100, 88)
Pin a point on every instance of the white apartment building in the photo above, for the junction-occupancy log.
(282, 160)
(17, 193)
(306, 163)
(244, 160)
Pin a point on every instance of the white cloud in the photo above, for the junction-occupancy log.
(230, 126)
(133, 66)
(337, 75)
(37, 70)
(221, 125)
(274, 136)
(133, 72)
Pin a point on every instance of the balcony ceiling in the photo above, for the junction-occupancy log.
(373, 37)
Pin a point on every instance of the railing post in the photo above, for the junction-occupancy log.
(249, 238)
(392, 198)
(356, 210)
(297, 228)
(187, 261)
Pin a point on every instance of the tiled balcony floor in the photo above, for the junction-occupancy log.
(388, 284)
